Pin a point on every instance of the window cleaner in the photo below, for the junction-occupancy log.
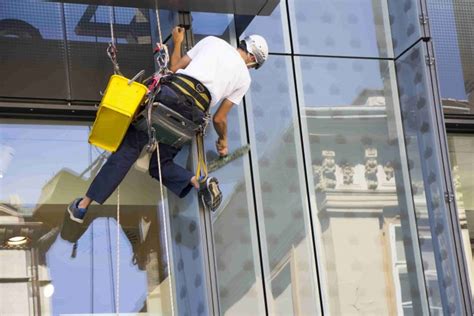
(212, 71)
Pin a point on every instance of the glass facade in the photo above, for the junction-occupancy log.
(453, 32)
(83, 276)
(341, 207)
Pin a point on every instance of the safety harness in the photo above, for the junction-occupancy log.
(170, 127)
(193, 88)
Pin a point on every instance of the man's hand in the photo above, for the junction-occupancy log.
(220, 125)
(178, 35)
(221, 146)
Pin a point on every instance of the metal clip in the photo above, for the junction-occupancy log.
(424, 19)
(449, 197)
(430, 60)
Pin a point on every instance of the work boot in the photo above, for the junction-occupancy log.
(75, 213)
(211, 194)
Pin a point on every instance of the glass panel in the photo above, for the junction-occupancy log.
(461, 154)
(189, 248)
(32, 50)
(404, 23)
(210, 23)
(427, 178)
(233, 232)
(274, 28)
(453, 33)
(60, 277)
(88, 35)
(341, 27)
(354, 163)
(281, 186)
(233, 227)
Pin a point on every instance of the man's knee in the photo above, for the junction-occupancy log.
(153, 169)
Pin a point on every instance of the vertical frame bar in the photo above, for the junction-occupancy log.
(449, 193)
(185, 18)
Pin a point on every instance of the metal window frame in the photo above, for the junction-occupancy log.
(455, 227)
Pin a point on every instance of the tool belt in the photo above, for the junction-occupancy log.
(170, 127)
(183, 84)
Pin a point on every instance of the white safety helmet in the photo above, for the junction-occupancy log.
(257, 46)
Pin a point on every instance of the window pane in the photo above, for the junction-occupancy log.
(88, 35)
(461, 154)
(31, 33)
(426, 173)
(453, 33)
(49, 164)
(274, 28)
(341, 27)
(404, 24)
(280, 184)
(353, 158)
(234, 231)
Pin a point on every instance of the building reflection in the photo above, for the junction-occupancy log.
(28, 238)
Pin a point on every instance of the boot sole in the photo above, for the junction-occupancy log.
(73, 218)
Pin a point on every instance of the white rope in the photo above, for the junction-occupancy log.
(111, 21)
(158, 21)
(165, 225)
(164, 221)
(117, 289)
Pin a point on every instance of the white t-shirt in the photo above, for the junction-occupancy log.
(219, 67)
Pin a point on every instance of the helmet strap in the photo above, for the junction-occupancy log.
(251, 64)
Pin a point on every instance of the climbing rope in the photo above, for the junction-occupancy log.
(112, 53)
(163, 60)
(112, 49)
(158, 22)
(117, 288)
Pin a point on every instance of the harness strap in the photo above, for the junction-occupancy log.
(201, 159)
(192, 88)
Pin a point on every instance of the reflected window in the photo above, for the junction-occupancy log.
(44, 166)
(461, 154)
(353, 165)
(280, 186)
(453, 34)
(273, 28)
(341, 28)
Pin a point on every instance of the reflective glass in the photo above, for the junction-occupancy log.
(88, 35)
(32, 45)
(273, 28)
(453, 33)
(356, 180)
(234, 233)
(62, 267)
(341, 27)
(228, 237)
(461, 155)
(281, 190)
(405, 24)
(189, 248)
(64, 47)
(427, 182)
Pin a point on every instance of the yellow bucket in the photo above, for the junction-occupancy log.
(116, 111)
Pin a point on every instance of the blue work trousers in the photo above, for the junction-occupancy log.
(175, 178)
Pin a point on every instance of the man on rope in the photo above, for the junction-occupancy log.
(216, 71)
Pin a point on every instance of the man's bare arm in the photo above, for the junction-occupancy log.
(220, 125)
(176, 61)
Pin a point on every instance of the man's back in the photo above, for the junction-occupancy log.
(218, 65)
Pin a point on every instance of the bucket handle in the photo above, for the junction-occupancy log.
(138, 75)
